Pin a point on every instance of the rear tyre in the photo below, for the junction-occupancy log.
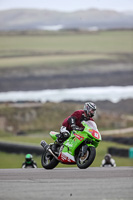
(48, 161)
(85, 161)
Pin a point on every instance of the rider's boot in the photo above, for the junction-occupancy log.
(58, 142)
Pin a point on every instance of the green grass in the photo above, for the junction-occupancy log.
(63, 49)
(100, 42)
(26, 139)
(55, 60)
(12, 160)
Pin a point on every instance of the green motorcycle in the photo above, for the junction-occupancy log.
(79, 148)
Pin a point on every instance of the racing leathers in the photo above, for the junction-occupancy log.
(72, 122)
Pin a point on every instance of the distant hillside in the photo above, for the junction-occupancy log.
(25, 19)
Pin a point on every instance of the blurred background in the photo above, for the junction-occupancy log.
(55, 56)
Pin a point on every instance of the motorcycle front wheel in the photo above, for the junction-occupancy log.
(85, 161)
(48, 161)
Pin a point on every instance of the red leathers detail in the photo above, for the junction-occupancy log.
(78, 119)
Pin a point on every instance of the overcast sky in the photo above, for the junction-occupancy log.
(67, 5)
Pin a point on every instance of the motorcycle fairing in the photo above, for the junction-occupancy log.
(91, 128)
(67, 152)
(54, 134)
(78, 136)
(66, 158)
(95, 134)
(69, 146)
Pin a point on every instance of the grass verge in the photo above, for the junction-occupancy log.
(11, 160)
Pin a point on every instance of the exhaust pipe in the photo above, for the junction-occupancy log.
(46, 146)
(43, 144)
(53, 154)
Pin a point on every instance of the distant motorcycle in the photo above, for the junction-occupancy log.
(79, 148)
(108, 161)
(29, 166)
(29, 162)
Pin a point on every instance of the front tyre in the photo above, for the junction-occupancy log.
(85, 161)
(48, 161)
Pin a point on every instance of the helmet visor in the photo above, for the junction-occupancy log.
(91, 111)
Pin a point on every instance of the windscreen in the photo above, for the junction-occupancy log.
(92, 125)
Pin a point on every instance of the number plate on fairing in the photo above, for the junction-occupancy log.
(95, 134)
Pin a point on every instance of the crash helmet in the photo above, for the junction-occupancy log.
(89, 109)
(107, 158)
(28, 158)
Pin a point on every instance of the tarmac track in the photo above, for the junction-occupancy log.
(94, 183)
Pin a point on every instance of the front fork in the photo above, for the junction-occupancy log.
(84, 148)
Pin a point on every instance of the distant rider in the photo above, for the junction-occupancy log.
(29, 162)
(108, 161)
(73, 122)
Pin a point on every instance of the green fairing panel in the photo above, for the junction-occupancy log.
(73, 142)
(53, 134)
(77, 137)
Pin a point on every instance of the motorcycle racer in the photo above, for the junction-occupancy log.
(77, 141)
(73, 122)
(29, 162)
(108, 161)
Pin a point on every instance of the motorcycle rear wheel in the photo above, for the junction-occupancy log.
(48, 161)
(85, 161)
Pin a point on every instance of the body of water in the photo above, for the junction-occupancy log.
(111, 93)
